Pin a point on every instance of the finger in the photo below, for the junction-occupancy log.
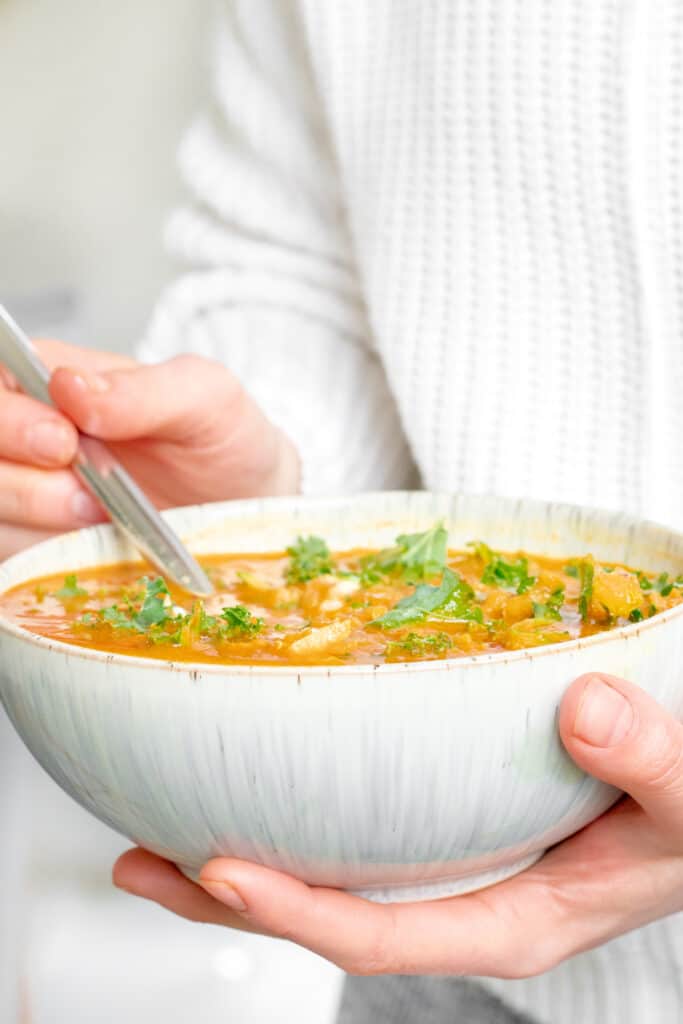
(143, 874)
(177, 400)
(59, 353)
(618, 733)
(15, 538)
(463, 935)
(45, 499)
(32, 433)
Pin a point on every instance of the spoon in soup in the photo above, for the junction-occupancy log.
(103, 474)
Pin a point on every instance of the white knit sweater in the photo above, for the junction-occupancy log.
(443, 240)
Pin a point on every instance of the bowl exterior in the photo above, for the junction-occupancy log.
(365, 782)
(400, 782)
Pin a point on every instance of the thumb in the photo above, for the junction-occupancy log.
(619, 734)
(177, 400)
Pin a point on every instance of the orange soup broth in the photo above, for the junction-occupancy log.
(323, 621)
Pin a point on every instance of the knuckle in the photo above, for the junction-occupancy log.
(664, 762)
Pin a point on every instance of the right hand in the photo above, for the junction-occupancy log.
(186, 429)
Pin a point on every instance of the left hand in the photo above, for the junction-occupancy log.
(619, 873)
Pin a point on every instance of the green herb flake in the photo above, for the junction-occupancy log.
(550, 609)
(309, 558)
(424, 599)
(153, 611)
(636, 615)
(482, 551)
(508, 575)
(415, 556)
(238, 621)
(461, 605)
(419, 644)
(119, 619)
(70, 589)
(586, 574)
(572, 570)
(645, 583)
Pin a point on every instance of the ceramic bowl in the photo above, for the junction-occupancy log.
(403, 781)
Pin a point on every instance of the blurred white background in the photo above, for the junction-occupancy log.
(94, 97)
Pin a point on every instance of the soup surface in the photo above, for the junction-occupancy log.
(415, 601)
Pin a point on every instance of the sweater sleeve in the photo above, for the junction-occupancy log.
(270, 287)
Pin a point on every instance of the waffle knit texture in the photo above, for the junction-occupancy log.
(441, 240)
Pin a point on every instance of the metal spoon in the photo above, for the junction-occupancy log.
(104, 475)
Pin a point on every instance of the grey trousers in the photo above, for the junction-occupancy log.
(401, 999)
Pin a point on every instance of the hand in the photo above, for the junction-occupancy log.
(622, 871)
(185, 429)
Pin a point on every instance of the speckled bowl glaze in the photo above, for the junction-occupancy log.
(399, 782)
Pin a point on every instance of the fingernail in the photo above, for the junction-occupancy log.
(604, 716)
(85, 508)
(90, 381)
(50, 441)
(225, 893)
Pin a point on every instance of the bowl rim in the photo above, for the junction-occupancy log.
(197, 669)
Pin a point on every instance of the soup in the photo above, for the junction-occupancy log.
(417, 600)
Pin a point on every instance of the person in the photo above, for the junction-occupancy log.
(436, 243)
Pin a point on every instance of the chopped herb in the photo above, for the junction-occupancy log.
(572, 570)
(645, 583)
(586, 573)
(153, 611)
(150, 596)
(461, 605)
(418, 643)
(239, 621)
(482, 551)
(550, 609)
(309, 558)
(70, 589)
(636, 615)
(417, 556)
(509, 575)
(663, 585)
(118, 619)
(417, 605)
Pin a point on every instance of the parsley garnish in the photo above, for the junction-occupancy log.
(636, 615)
(572, 570)
(482, 551)
(550, 609)
(70, 589)
(663, 584)
(509, 575)
(416, 556)
(586, 573)
(417, 605)
(238, 621)
(461, 604)
(150, 612)
(418, 643)
(153, 611)
(309, 558)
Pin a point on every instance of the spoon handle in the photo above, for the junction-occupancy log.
(104, 475)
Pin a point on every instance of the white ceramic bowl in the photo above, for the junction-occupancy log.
(400, 782)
